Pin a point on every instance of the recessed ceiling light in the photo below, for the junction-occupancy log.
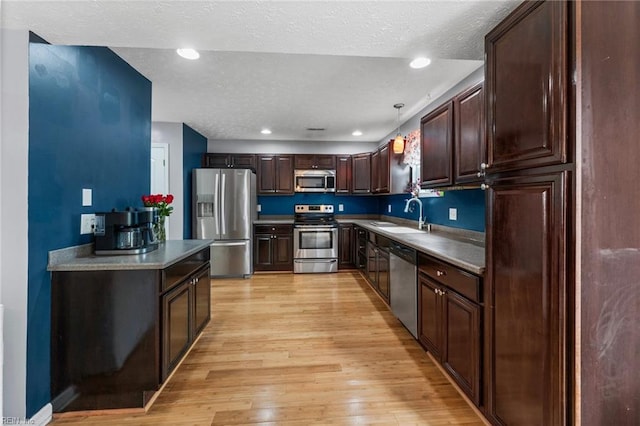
(265, 131)
(420, 62)
(357, 133)
(188, 53)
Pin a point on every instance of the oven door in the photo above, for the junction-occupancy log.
(315, 242)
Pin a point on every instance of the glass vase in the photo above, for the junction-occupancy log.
(159, 230)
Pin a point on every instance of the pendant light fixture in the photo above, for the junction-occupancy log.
(398, 142)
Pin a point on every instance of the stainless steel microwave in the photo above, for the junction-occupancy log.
(315, 180)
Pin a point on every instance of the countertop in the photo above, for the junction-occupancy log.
(454, 249)
(441, 243)
(82, 258)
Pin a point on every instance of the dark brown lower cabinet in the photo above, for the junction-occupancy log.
(431, 318)
(462, 331)
(185, 312)
(526, 298)
(346, 251)
(273, 248)
(116, 335)
(377, 270)
(450, 325)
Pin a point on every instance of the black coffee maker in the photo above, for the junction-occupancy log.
(126, 232)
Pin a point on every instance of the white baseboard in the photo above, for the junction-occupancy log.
(42, 417)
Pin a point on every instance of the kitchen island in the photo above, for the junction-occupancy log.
(121, 324)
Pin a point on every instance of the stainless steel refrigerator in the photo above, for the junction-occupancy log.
(224, 208)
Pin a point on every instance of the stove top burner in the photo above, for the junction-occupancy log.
(314, 214)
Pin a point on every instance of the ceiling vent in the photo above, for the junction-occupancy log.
(316, 129)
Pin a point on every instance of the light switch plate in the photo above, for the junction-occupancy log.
(87, 197)
(259, 208)
(389, 208)
(340, 207)
(453, 214)
(87, 223)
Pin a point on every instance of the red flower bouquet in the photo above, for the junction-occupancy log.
(161, 202)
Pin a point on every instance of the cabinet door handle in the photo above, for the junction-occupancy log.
(484, 186)
(441, 273)
(483, 168)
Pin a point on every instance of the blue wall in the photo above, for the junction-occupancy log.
(89, 127)
(283, 204)
(193, 146)
(470, 204)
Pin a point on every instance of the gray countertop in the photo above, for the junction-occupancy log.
(442, 243)
(464, 253)
(82, 258)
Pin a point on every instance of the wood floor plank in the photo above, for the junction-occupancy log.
(286, 349)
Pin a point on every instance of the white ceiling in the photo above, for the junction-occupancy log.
(285, 65)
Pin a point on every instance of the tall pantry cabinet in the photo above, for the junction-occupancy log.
(529, 179)
(562, 293)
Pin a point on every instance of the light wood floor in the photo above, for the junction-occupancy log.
(299, 350)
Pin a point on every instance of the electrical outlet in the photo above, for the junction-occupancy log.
(389, 208)
(340, 207)
(259, 208)
(453, 214)
(87, 223)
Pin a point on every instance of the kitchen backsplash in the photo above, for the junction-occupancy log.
(469, 205)
(283, 204)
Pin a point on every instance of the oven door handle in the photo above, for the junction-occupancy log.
(314, 227)
(316, 261)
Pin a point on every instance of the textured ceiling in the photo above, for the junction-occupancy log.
(286, 65)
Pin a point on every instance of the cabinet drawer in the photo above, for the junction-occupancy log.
(462, 282)
(274, 229)
(175, 273)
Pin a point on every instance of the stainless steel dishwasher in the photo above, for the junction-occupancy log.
(404, 286)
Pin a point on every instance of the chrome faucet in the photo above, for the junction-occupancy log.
(419, 201)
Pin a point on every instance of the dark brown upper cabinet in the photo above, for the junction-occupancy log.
(380, 167)
(436, 133)
(315, 161)
(361, 167)
(469, 135)
(527, 87)
(343, 174)
(275, 174)
(218, 160)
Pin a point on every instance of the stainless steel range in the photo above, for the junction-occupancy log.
(315, 239)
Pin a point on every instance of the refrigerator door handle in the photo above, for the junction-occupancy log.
(223, 210)
(217, 206)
